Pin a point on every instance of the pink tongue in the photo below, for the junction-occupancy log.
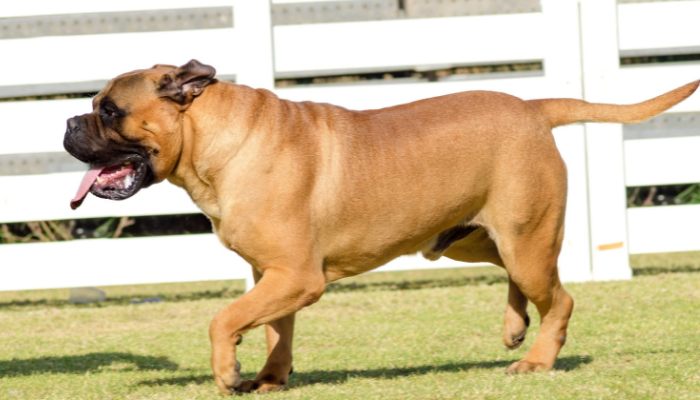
(85, 185)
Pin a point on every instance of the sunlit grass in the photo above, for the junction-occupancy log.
(627, 340)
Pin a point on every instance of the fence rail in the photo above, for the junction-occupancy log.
(578, 42)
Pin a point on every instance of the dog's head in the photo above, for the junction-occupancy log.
(132, 138)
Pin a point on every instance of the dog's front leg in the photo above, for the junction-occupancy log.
(275, 374)
(275, 298)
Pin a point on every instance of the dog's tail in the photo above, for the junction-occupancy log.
(568, 111)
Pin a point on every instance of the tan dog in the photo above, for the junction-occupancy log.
(311, 193)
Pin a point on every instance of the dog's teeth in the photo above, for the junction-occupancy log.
(100, 180)
(127, 163)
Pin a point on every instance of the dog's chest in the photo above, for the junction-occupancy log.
(203, 195)
(205, 199)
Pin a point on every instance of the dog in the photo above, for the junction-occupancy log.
(310, 193)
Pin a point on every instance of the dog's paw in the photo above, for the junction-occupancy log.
(514, 332)
(229, 382)
(514, 342)
(523, 367)
(266, 384)
(260, 386)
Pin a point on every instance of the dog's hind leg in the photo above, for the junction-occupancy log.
(479, 247)
(531, 262)
(275, 374)
(555, 306)
(516, 319)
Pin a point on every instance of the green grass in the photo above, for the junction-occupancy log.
(369, 337)
(660, 263)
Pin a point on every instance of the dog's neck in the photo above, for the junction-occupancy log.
(208, 151)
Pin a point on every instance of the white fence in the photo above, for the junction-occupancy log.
(578, 42)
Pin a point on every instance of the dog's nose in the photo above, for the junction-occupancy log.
(71, 139)
(72, 124)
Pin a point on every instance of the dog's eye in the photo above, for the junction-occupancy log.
(109, 110)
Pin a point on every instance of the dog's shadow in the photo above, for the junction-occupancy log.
(80, 364)
(340, 376)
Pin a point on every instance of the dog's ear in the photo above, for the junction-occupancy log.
(184, 83)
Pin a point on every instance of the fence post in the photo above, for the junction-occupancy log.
(254, 44)
(604, 146)
(562, 67)
(254, 54)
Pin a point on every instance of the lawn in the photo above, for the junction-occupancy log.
(414, 335)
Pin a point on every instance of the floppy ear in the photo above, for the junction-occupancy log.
(184, 83)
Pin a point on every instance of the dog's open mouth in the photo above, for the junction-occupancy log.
(114, 182)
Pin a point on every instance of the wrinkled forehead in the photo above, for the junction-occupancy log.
(125, 88)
